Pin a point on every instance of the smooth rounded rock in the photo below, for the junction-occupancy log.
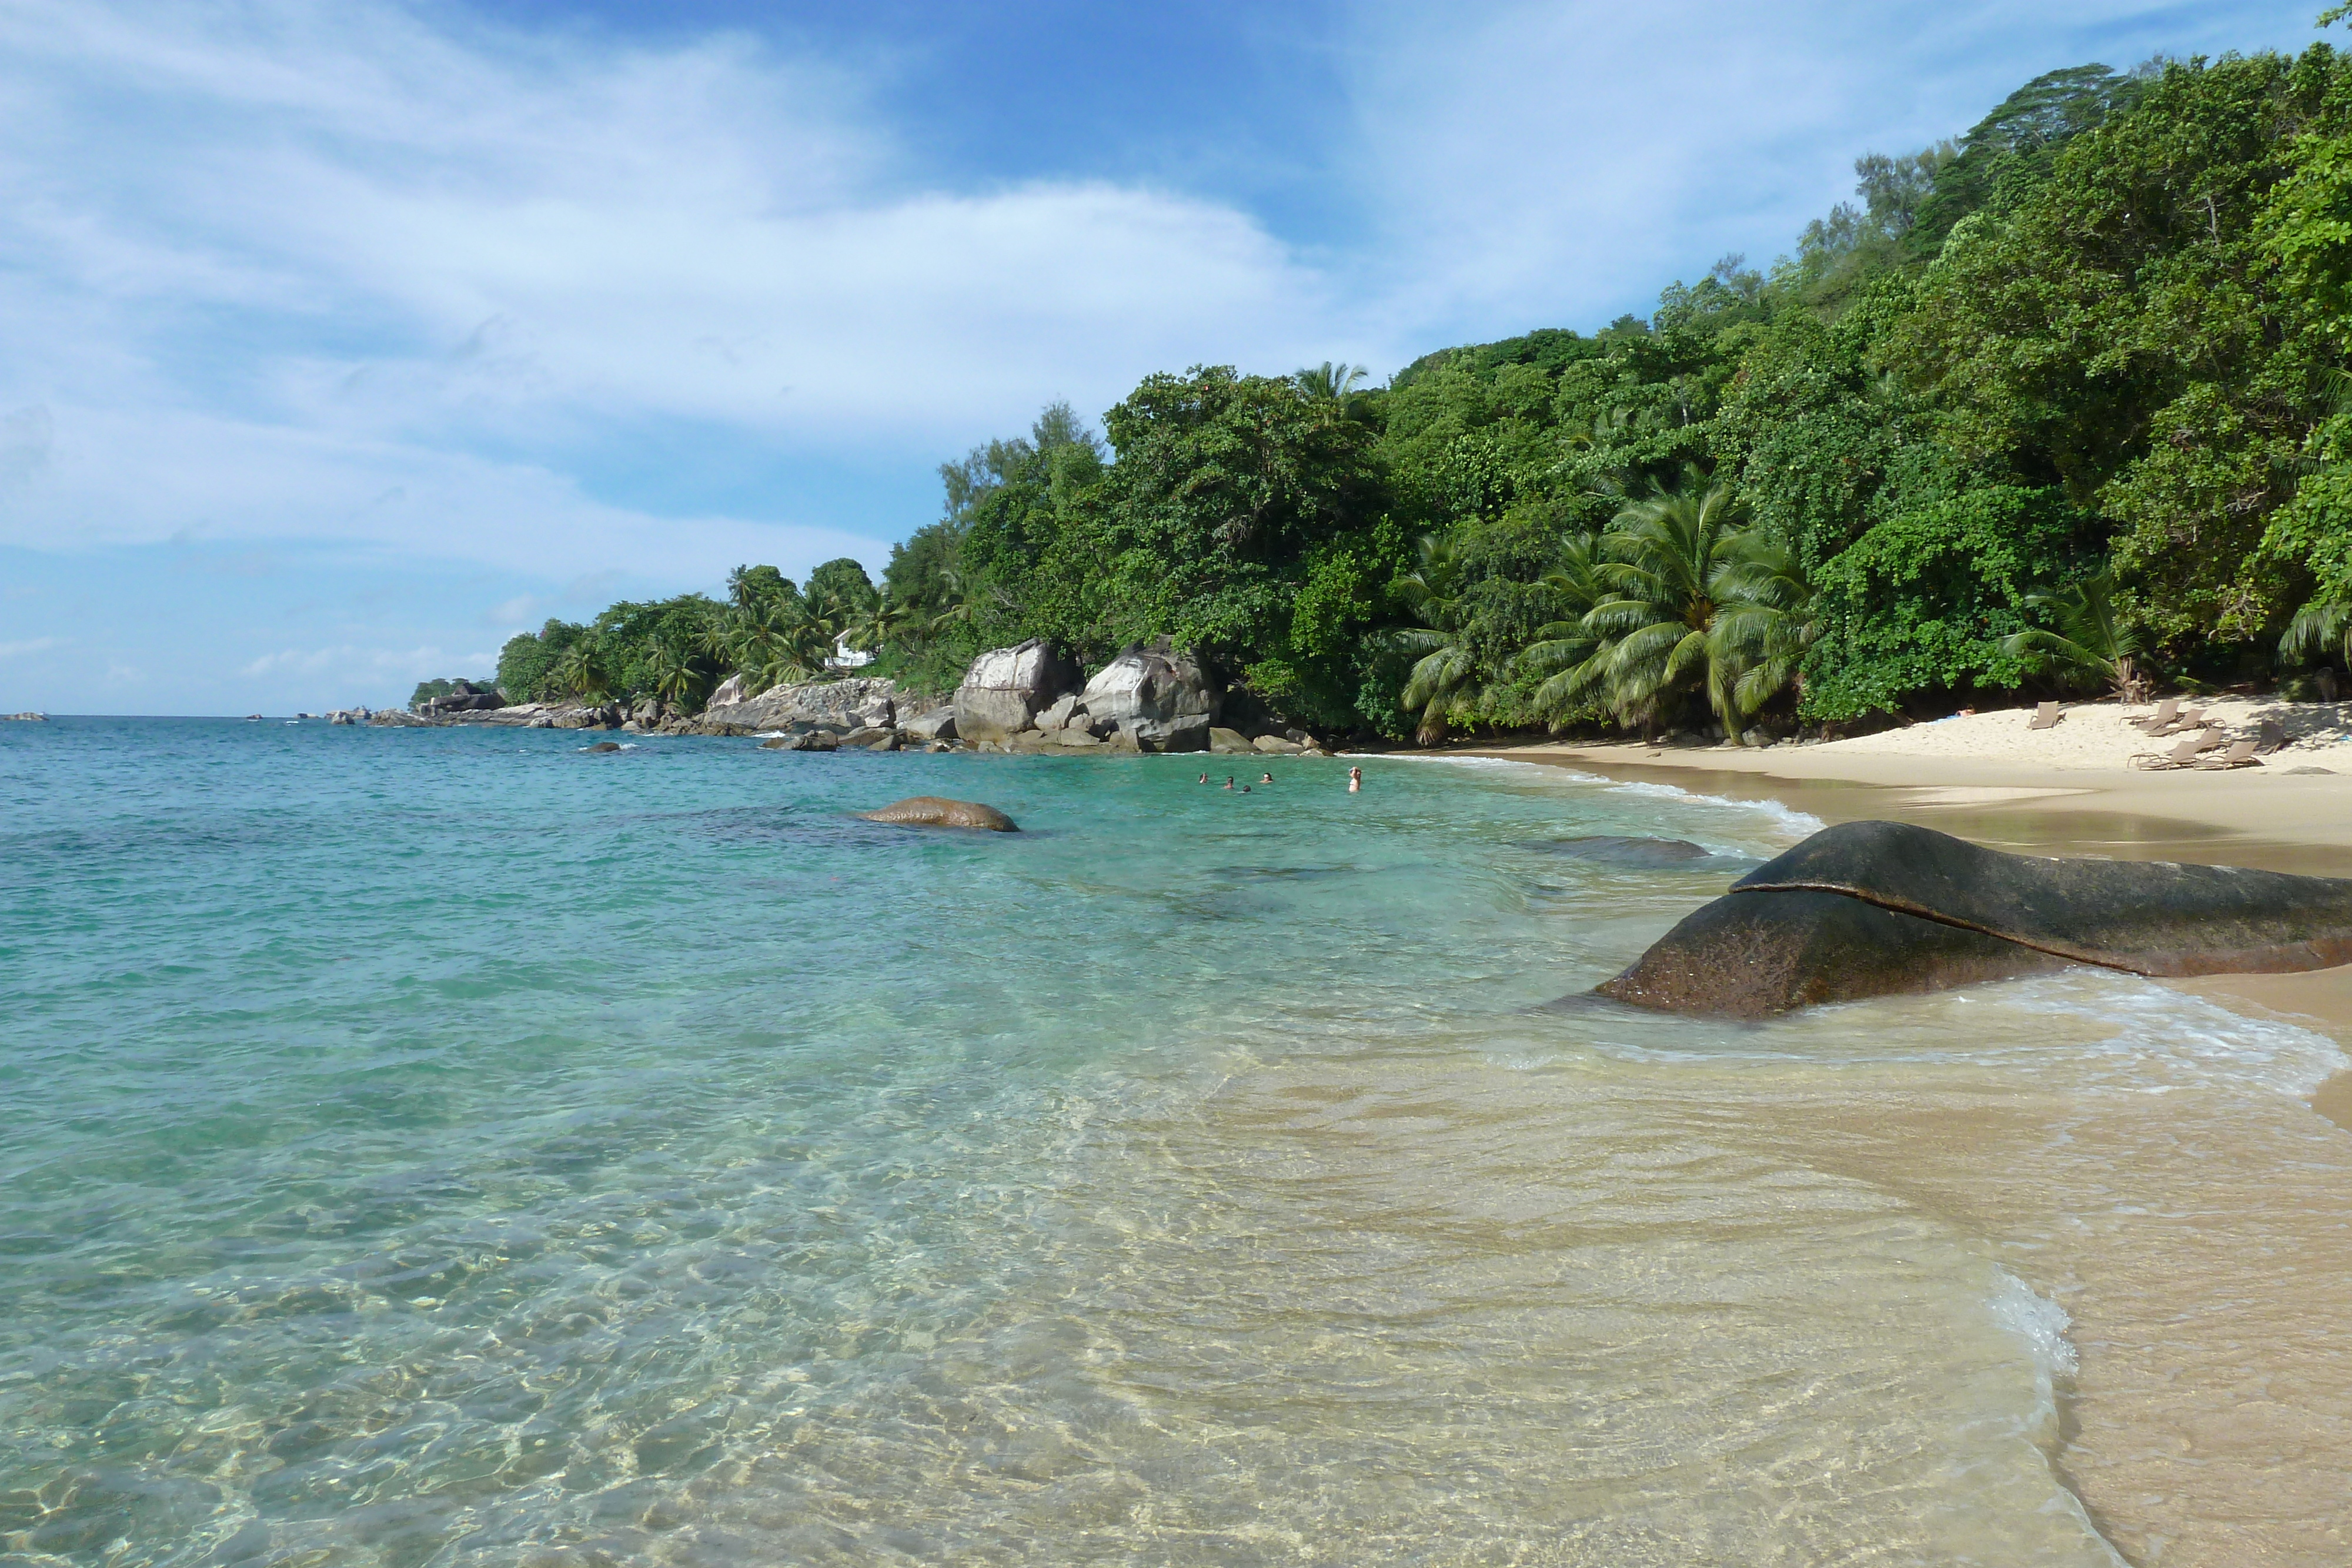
(1876, 908)
(936, 812)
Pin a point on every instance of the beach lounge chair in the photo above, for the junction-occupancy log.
(2161, 719)
(2240, 755)
(2273, 737)
(2181, 756)
(2044, 717)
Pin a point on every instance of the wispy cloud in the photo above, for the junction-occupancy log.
(363, 664)
(18, 650)
(299, 269)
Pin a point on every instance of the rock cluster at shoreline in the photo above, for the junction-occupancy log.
(1150, 698)
(1026, 698)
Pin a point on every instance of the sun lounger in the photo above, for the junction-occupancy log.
(2240, 755)
(2161, 719)
(2181, 756)
(2273, 737)
(2044, 717)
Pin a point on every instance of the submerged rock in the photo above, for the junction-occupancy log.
(1616, 849)
(935, 811)
(1876, 908)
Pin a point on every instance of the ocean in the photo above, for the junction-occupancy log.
(451, 1147)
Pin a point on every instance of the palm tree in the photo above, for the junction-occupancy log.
(1766, 620)
(1446, 669)
(2319, 627)
(2092, 645)
(1330, 382)
(1563, 649)
(580, 671)
(975, 597)
(887, 621)
(1694, 601)
(672, 671)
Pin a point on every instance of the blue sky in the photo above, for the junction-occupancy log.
(346, 337)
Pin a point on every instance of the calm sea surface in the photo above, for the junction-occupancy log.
(452, 1147)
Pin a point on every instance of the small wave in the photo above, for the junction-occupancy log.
(2194, 1041)
(2046, 1330)
(1801, 824)
(1784, 819)
(2043, 1325)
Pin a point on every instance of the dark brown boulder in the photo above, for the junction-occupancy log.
(934, 811)
(1873, 908)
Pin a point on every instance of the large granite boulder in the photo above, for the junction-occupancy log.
(939, 723)
(729, 692)
(1869, 909)
(848, 704)
(1005, 688)
(1160, 699)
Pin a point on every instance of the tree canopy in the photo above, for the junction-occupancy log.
(2079, 371)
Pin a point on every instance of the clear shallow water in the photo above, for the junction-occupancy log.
(452, 1147)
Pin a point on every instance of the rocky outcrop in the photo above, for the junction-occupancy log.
(27, 717)
(843, 705)
(522, 716)
(939, 723)
(463, 697)
(1869, 909)
(729, 692)
(1005, 689)
(934, 811)
(804, 741)
(1164, 700)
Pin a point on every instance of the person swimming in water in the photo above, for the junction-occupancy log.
(1355, 779)
(1265, 777)
(1204, 778)
(1229, 780)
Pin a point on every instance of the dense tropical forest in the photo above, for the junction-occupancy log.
(2062, 404)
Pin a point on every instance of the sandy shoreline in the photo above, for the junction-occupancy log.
(2205, 1424)
(1990, 780)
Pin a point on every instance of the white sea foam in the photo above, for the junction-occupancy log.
(2042, 1325)
(2165, 1039)
(2044, 1329)
(1797, 824)
(1784, 819)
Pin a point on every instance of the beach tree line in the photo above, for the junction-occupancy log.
(2062, 403)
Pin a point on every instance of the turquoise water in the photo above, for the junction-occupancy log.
(450, 1146)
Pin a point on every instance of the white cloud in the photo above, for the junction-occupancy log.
(1535, 162)
(287, 269)
(355, 665)
(18, 650)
